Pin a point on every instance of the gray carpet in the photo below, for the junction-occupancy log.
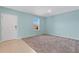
(52, 44)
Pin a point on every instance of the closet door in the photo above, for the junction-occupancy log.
(8, 26)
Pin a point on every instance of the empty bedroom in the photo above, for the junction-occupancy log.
(39, 29)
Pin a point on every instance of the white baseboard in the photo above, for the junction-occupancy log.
(65, 36)
(9, 39)
(27, 36)
(21, 37)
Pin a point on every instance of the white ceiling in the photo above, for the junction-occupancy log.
(44, 10)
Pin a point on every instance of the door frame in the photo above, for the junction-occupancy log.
(1, 15)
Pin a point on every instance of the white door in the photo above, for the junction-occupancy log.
(8, 26)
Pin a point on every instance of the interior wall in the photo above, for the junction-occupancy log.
(64, 25)
(0, 28)
(24, 23)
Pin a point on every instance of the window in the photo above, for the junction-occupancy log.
(36, 23)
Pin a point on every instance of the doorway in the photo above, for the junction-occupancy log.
(8, 26)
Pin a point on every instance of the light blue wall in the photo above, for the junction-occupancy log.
(64, 25)
(0, 28)
(24, 23)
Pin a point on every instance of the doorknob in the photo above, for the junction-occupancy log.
(15, 26)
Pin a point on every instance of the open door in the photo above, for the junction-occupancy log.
(8, 26)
